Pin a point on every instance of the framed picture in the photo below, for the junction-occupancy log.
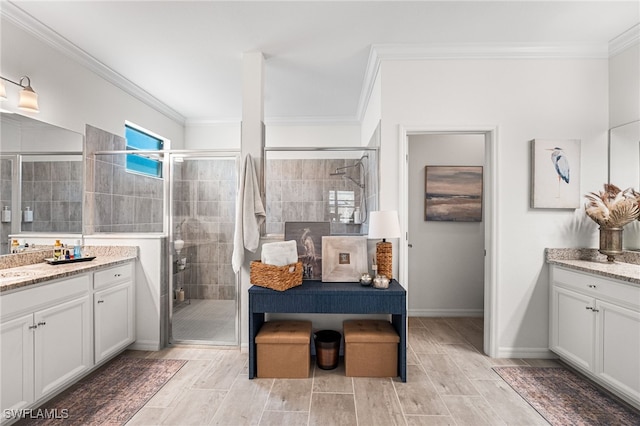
(308, 237)
(453, 193)
(344, 259)
(555, 173)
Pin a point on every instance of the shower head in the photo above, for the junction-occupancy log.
(337, 173)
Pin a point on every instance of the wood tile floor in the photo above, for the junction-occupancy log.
(450, 382)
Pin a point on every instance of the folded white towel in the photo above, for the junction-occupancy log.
(280, 253)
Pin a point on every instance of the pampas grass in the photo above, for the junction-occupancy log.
(613, 208)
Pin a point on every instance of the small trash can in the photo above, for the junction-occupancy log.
(327, 344)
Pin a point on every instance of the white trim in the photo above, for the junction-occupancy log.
(370, 75)
(445, 313)
(517, 352)
(205, 122)
(144, 345)
(491, 213)
(627, 39)
(432, 51)
(36, 28)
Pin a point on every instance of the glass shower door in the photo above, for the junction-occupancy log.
(204, 308)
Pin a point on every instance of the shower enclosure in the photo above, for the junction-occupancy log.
(202, 219)
(335, 185)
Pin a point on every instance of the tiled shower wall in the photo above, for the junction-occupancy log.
(297, 190)
(5, 200)
(53, 190)
(204, 217)
(116, 200)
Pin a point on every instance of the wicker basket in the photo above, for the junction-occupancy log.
(276, 277)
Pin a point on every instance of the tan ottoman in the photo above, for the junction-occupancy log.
(370, 348)
(282, 349)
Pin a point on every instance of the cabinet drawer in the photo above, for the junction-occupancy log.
(598, 287)
(113, 275)
(31, 299)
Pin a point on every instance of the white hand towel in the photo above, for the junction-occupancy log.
(280, 253)
(250, 214)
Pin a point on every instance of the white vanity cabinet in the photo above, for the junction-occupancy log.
(595, 327)
(46, 339)
(113, 304)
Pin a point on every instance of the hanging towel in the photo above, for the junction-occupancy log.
(250, 214)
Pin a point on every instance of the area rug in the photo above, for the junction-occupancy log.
(111, 395)
(563, 397)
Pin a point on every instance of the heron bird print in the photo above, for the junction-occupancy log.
(555, 173)
(561, 163)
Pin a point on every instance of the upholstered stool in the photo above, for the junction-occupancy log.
(282, 349)
(370, 348)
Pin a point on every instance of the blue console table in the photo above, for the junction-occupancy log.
(330, 298)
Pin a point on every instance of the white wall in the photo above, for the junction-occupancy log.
(446, 261)
(203, 135)
(312, 135)
(524, 99)
(70, 95)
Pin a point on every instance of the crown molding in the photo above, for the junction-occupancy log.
(627, 39)
(23, 20)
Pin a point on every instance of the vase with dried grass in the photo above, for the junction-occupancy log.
(612, 209)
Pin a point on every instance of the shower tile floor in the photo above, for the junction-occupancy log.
(205, 321)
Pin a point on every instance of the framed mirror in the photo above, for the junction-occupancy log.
(624, 155)
(41, 177)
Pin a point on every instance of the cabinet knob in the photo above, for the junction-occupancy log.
(33, 327)
(589, 308)
(100, 301)
(596, 310)
(42, 323)
(591, 286)
(116, 275)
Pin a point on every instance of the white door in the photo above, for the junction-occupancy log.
(62, 345)
(573, 326)
(618, 360)
(113, 312)
(16, 358)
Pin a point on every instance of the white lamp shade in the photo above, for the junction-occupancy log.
(384, 224)
(28, 100)
(178, 245)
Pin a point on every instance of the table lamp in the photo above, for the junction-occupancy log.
(383, 225)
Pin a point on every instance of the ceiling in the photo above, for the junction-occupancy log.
(188, 54)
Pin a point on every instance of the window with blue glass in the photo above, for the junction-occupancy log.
(143, 163)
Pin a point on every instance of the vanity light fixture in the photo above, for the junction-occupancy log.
(28, 97)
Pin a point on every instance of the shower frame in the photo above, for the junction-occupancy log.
(200, 155)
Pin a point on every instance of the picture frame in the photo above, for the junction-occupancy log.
(308, 237)
(344, 259)
(453, 193)
(555, 173)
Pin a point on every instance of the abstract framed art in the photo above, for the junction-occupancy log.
(453, 193)
(555, 173)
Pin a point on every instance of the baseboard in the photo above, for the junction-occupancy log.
(515, 352)
(445, 312)
(144, 345)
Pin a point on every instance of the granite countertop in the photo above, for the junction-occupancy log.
(625, 268)
(28, 274)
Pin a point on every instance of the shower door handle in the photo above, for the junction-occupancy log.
(409, 245)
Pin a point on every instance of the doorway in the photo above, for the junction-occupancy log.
(444, 246)
(204, 305)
